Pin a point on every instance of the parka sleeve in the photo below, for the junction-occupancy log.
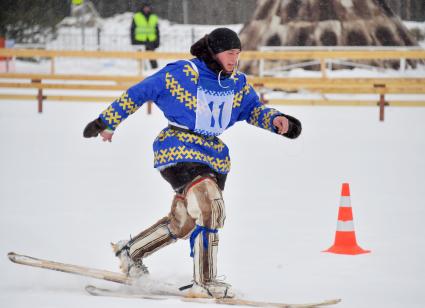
(130, 101)
(255, 112)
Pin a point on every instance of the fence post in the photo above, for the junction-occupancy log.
(98, 38)
(52, 65)
(382, 103)
(5, 59)
(323, 67)
(141, 61)
(261, 67)
(403, 65)
(192, 32)
(39, 96)
(40, 100)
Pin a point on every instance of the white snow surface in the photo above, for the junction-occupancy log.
(65, 198)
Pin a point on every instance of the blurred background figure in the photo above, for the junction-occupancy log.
(77, 8)
(144, 30)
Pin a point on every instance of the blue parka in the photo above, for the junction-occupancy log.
(194, 99)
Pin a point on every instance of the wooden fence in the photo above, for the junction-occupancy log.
(321, 85)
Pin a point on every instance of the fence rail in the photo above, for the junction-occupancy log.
(288, 54)
(321, 85)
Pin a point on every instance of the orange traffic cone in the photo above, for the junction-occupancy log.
(345, 236)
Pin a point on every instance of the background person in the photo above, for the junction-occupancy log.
(145, 30)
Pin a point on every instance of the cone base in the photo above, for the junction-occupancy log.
(346, 250)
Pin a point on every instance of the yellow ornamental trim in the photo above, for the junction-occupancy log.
(246, 89)
(188, 98)
(222, 164)
(189, 71)
(176, 90)
(266, 119)
(234, 76)
(112, 116)
(163, 157)
(127, 104)
(173, 154)
(189, 154)
(179, 153)
(170, 82)
(186, 137)
(198, 155)
(214, 143)
(237, 99)
(255, 115)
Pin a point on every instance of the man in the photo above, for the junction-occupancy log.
(145, 31)
(200, 98)
(77, 8)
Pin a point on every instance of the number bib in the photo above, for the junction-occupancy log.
(213, 111)
(214, 105)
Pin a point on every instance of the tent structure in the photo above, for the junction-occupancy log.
(324, 23)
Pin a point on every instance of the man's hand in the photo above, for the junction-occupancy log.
(287, 126)
(282, 124)
(107, 135)
(96, 127)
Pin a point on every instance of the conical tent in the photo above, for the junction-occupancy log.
(323, 23)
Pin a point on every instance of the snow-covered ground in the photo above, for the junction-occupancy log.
(65, 198)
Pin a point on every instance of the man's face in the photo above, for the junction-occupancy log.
(228, 59)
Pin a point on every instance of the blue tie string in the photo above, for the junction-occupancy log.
(195, 234)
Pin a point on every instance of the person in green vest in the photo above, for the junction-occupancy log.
(144, 30)
(76, 7)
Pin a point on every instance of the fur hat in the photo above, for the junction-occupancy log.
(219, 40)
(222, 39)
(144, 4)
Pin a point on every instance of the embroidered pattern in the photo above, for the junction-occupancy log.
(216, 93)
(255, 115)
(213, 143)
(237, 100)
(112, 116)
(266, 119)
(173, 154)
(176, 90)
(235, 76)
(205, 132)
(189, 71)
(127, 104)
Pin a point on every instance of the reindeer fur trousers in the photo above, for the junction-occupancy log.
(197, 213)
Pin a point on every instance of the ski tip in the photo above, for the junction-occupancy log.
(332, 301)
(12, 256)
(90, 289)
